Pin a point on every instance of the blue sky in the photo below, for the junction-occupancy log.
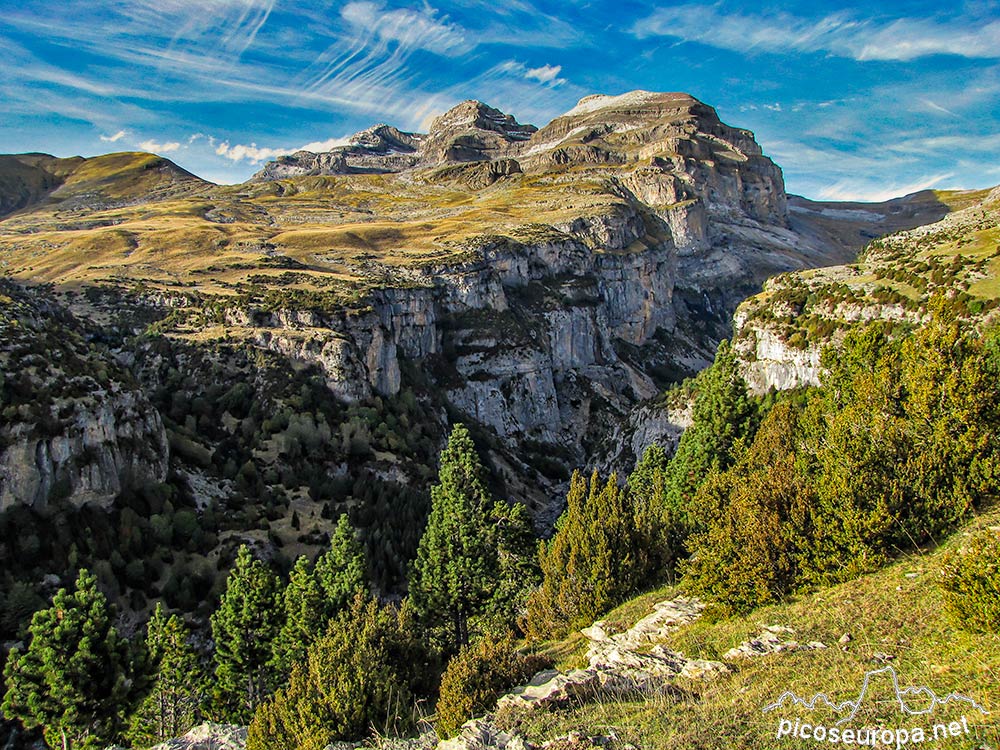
(862, 102)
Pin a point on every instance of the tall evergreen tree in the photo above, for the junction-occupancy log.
(76, 680)
(243, 628)
(340, 571)
(305, 617)
(660, 526)
(316, 594)
(173, 705)
(454, 575)
(517, 571)
(724, 417)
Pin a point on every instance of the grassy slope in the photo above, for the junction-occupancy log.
(126, 217)
(896, 611)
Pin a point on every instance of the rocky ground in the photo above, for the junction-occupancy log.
(629, 663)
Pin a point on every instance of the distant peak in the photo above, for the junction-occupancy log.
(637, 98)
(477, 115)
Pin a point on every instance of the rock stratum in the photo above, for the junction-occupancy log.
(539, 283)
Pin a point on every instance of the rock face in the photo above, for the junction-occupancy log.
(469, 132)
(378, 150)
(115, 442)
(767, 362)
(690, 152)
(554, 334)
(473, 131)
(76, 427)
(545, 283)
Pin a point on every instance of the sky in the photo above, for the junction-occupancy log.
(862, 102)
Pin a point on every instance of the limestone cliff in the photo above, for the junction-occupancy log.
(781, 332)
(76, 427)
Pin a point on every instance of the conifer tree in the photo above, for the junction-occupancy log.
(340, 571)
(454, 575)
(305, 617)
(352, 681)
(316, 594)
(660, 527)
(76, 680)
(723, 418)
(175, 701)
(517, 571)
(243, 628)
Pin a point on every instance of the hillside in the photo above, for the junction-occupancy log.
(782, 331)
(204, 382)
(890, 618)
(608, 248)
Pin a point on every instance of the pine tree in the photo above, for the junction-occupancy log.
(76, 680)
(174, 703)
(351, 682)
(243, 628)
(724, 418)
(660, 528)
(517, 569)
(454, 575)
(340, 571)
(305, 617)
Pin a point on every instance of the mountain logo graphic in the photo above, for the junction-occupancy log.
(853, 706)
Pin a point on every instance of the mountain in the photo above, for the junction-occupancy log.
(378, 150)
(305, 338)
(469, 132)
(41, 183)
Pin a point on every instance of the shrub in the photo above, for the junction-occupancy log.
(349, 684)
(592, 562)
(478, 675)
(970, 581)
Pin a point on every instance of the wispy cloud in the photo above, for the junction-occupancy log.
(411, 29)
(114, 138)
(872, 192)
(935, 107)
(837, 34)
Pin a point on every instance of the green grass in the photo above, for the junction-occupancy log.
(896, 611)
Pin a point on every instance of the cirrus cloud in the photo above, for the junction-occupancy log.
(837, 34)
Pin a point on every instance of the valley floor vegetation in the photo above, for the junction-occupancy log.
(764, 498)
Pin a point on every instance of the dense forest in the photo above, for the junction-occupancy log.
(762, 499)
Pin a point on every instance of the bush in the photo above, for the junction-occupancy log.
(478, 675)
(591, 564)
(970, 581)
(350, 683)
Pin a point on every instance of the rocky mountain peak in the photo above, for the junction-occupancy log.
(377, 150)
(473, 131)
(475, 115)
(384, 138)
(634, 126)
